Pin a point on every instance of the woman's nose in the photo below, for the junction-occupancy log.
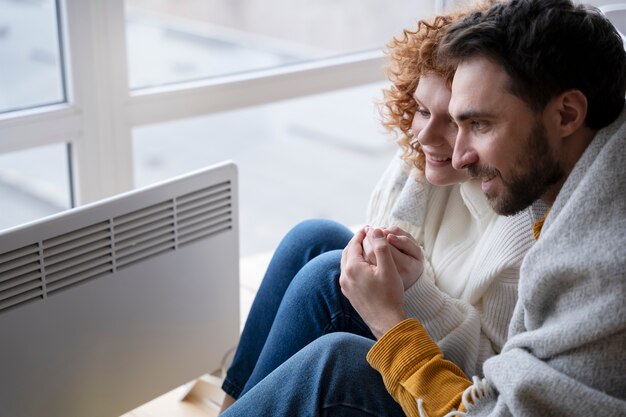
(431, 134)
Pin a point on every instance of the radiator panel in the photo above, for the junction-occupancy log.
(109, 305)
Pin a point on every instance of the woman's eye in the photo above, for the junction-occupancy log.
(423, 112)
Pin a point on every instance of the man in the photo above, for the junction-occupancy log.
(538, 98)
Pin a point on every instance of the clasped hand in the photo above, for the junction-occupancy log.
(377, 266)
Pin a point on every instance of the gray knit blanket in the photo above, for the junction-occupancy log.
(566, 352)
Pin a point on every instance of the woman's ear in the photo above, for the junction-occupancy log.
(570, 109)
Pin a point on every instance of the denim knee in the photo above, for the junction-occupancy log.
(345, 349)
(315, 296)
(317, 281)
(343, 343)
(314, 232)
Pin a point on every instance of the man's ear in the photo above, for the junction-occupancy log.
(570, 111)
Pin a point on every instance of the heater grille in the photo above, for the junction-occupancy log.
(38, 270)
(144, 233)
(77, 256)
(204, 213)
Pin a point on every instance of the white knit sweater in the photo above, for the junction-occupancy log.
(466, 296)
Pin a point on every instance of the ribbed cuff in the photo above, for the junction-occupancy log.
(423, 300)
(401, 351)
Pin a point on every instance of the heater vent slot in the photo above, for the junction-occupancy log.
(204, 213)
(20, 276)
(144, 233)
(77, 256)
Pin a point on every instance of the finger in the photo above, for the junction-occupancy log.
(406, 245)
(345, 252)
(399, 257)
(355, 246)
(382, 251)
(395, 230)
(368, 252)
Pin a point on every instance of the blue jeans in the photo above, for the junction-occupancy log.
(298, 301)
(329, 377)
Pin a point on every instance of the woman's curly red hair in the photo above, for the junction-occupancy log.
(410, 56)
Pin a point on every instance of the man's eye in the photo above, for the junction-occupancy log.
(479, 124)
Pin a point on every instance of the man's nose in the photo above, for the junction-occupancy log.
(463, 154)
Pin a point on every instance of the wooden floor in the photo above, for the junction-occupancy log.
(172, 405)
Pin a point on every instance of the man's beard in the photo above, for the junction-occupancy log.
(538, 171)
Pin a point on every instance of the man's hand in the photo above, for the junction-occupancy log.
(375, 291)
(406, 253)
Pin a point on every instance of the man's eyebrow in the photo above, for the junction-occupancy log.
(472, 115)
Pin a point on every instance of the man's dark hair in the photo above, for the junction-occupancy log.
(547, 47)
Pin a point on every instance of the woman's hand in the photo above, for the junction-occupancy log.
(375, 291)
(406, 253)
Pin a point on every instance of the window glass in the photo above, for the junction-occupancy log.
(33, 183)
(317, 156)
(204, 38)
(31, 71)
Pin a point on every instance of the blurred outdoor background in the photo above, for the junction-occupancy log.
(315, 156)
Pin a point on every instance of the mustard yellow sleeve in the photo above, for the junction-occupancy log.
(413, 368)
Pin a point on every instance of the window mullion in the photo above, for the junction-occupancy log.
(38, 127)
(259, 87)
(98, 80)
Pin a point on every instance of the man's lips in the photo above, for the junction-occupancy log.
(486, 175)
(487, 184)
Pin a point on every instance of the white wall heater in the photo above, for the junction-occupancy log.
(109, 305)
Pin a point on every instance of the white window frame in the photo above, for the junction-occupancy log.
(101, 112)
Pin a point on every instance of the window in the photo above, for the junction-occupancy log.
(316, 156)
(108, 80)
(200, 38)
(31, 73)
(33, 183)
(34, 172)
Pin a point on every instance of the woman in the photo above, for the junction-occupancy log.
(462, 288)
